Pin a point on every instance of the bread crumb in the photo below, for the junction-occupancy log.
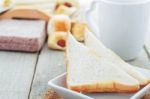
(146, 96)
(50, 94)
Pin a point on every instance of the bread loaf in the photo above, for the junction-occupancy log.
(88, 71)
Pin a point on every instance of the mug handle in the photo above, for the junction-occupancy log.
(89, 20)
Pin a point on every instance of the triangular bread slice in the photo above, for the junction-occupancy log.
(92, 42)
(145, 72)
(89, 72)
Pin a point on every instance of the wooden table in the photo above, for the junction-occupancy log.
(25, 75)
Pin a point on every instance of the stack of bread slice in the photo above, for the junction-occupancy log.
(94, 68)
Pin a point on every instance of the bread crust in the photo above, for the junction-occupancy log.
(104, 87)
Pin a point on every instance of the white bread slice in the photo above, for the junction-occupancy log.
(26, 12)
(89, 72)
(145, 72)
(92, 42)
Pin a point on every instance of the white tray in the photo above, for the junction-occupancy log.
(58, 84)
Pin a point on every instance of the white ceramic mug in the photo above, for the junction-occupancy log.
(122, 25)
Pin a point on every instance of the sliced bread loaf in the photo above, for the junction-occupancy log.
(88, 71)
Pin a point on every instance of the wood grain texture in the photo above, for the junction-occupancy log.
(16, 72)
(50, 64)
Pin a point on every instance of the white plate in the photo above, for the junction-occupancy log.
(58, 84)
(141, 93)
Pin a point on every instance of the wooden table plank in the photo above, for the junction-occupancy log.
(50, 65)
(16, 72)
